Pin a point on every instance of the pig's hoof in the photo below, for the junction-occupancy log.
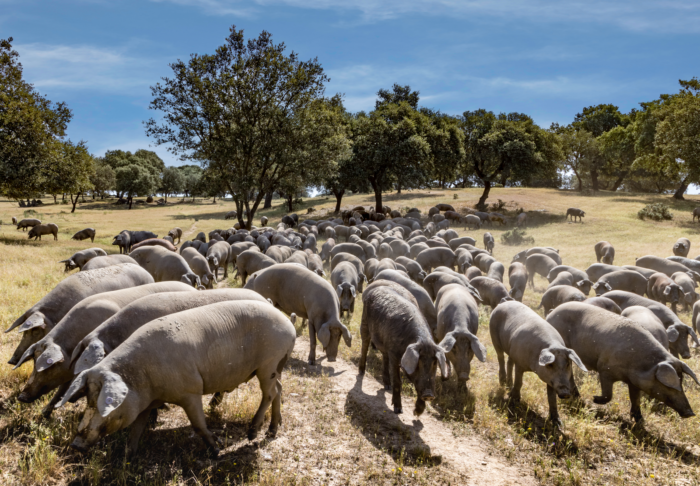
(252, 433)
(600, 400)
(398, 410)
(419, 409)
(312, 361)
(637, 417)
(556, 421)
(271, 433)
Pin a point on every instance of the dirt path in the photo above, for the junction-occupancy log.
(190, 231)
(470, 457)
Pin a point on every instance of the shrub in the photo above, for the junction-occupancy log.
(656, 212)
(515, 237)
(455, 196)
(498, 206)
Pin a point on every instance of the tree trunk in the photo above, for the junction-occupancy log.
(681, 190)
(580, 182)
(377, 196)
(619, 180)
(251, 211)
(268, 200)
(339, 198)
(74, 202)
(131, 201)
(398, 188)
(484, 196)
(290, 203)
(214, 200)
(64, 197)
(594, 179)
(54, 198)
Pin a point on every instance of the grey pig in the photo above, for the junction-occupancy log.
(423, 299)
(626, 280)
(84, 235)
(489, 243)
(414, 270)
(604, 251)
(107, 261)
(538, 264)
(492, 291)
(580, 277)
(80, 258)
(165, 265)
(646, 319)
(345, 281)
(517, 279)
(555, 296)
(682, 247)
(199, 266)
(43, 229)
(662, 289)
(251, 261)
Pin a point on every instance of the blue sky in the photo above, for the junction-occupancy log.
(545, 58)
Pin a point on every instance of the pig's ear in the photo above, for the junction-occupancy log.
(409, 360)
(448, 342)
(52, 355)
(478, 348)
(667, 375)
(93, 354)
(442, 363)
(693, 336)
(546, 357)
(475, 293)
(35, 320)
(581, 283)
(352, 291)
(27, 354)
(347, 337)
(339, 290)
(113, 393)
(607, 286)
(75, 388)
(672, 333)
(324, 335)
(292, 317)
(689, 372)
(667, 290)
(577, 361)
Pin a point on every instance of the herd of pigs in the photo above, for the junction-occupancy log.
(131, 332)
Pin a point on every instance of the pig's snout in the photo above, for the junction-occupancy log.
(687, 413)
(428, 395)
(685, 355)
(464, 375)
(25, 397)
(13, 361)
(331, 359)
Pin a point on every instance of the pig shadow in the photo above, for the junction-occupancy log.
(301, 367)
(533, 426)
(384, 430)
(455, 399)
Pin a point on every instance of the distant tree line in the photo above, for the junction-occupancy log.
(254, 122)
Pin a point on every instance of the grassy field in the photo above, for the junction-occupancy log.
(597, 444)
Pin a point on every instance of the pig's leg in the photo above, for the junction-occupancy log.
(312, 343)
(364, 334)
(216, 399)
(395, 385)
(553, 412)
(276, 411)
(386, 375)
(572, 383)
(501, 367)
(268, 387)
(517, 384)
(635, 399)
(192, 405)
(606, 390)
(136, 430)
(509, 376)
(48, 409)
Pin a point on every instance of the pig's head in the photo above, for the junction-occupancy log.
(585, 286)
(33, 233)
(111, 405)
(690, 297)
(213, 262)
(419, 362)
(664, 382)
(192, 279)
(329, 336)
(88, 353)
(346, 294)
(601, 288)
(33, 329)
(554, 368)
(520, 257)
(70, 264)
(51, 369)
(608, 259)
(460, 347)
(672, 292)
(678, 339)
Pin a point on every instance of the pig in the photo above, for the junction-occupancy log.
(667, 318)
(357, 263)
(604, 251)
(414, 270)
(326, 250)
(80, 258)
(621, 350)
(472, 272)
(392, 323)
(388, 264)
(564, 278)
(231, 215)
(682, 247)
(201, 237)
(201, 350)
(472, 222)
(52, 353)
(626, 280)
(263, 221)
(693, 265)
(437, 242)
(385, 252)
(14, 220)
(218, 255)
(580, 277)
(575, 213)
(455, 243)
(696, 214)
(662, 265)
(279, 253)
(687, 285)
(521, 220)
(200, 267)
(646, 319)
(107, 261)
(28, 223)
(165, 265)
(310, 243)
(464, 259)
(496, 271)
(251, 261)
(43, 229)
(647, 272)
(457, 326)
(237, 249)
(597, 270)
(84, 235)
(370, 268)
(517, 279)
(126, 239)
(492, 291)
(155, 242)
(435, 257)
(538, 264)
(604, 303)
(350, 248)
(489, 242)
(345, 281)
(315, 264)
(399, 248)
(297, 290)
(484, 261)
(555, 296)
(39, 319)
(535, 346)
(423, 299)
(175, 233)
(417, 249)
(550, 252)
(662, 289)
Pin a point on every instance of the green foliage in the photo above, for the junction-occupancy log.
(599, 119)
(498, 206)
(516, 237)
(656, 212)
(103, 179)
(70, 171)
(173, 182)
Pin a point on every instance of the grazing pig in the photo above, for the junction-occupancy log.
(201, 237)
(489, 242)
(457, 326)
(647, 272)
(604, 303)
(357, 263)
(231, 215)
(682, 247)
(175, 233)
(199, 266)
(464, 240)
(251, 261)
(444, 207)
(351, 248)
(52, 353)
(436, 257)
(84, 235)
(472, 222)
(14, 220)
(696, 214)
(155, 242)
(473, 272)
(209, 349)
(423, 298)
(326, 250)
(263, 221)
(604, 251)
(28, 223)
(550, 252)
(496, 271)
(36, 322)
(399, 248)
(417, 249)
(597, 270)
(693, 265)
(665, 266)
(517, 279)
(345, 281)
(219, 255)
(392, 323)
(521, 220)
(621, 350)
(279, 253)
(555, 296)
(492, 291)
(580, 277)
(484, 261)
(564, 278)
(648, 320)
(538, 264)
(297, 290)
(126, 239)
(107, 261)
(667, 318)
(80, 258)
(687, 285)
(662, 289)
(532, 345)
(414, 270)
(575, 213)
(43, 229)
(238, 248)
(315, 264)
(165, 265)
(464, 259)
(621, 280)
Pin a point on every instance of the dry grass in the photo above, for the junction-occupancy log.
(319, 444)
